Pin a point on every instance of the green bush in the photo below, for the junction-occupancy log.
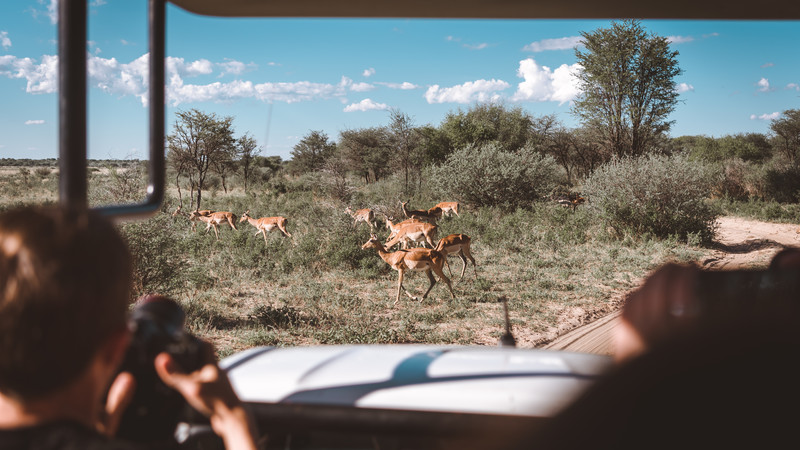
(654, 194)
(489, 176)
(159, 264)
(782, 184)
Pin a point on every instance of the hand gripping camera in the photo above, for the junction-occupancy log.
(157, 325)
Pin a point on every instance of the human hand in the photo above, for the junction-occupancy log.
(119, 397)
(209, 391)
(662, 307)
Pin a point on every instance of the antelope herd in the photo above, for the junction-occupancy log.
(418, 229)
(412, 234)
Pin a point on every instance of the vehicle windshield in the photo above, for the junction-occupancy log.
(575, 155)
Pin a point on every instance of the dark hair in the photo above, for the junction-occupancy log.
(65, 280)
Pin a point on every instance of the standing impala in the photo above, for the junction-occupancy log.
(215, 220)
(266, 224)
(457, 244)
(193, 219)
(428, 215)
(417, 232)
(415, 260)
(362, 215)
(446, 208)
(395, 227)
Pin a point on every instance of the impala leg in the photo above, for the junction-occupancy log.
(264, 233)
(216, 231)
(433, 282)
(464, 260)
(438, 269)
(465, 252)
(399, 285)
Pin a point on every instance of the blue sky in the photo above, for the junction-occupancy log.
(281, 78)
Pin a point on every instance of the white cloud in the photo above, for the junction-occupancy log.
(405, 86)
(452, 39)
(545, 85)
(34, 122)
(771, 116)
(355, 87)
(763, 85)
(42, 78)
(131, 79)
(366, 105)
(480, 90)
(194, 68)
(368, 72)
(5, 41)
(476, 46)
(769, 64)
(793, 86)
(232, 67)
(679, 39)
(52, 11)
(564, 43)
(684, 87)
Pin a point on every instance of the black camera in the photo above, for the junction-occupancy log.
(157, 325)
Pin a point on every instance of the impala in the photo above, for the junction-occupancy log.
(428, 215)
(457, 244)
(417, 232)
(266, 224)
(415, 260)
(362, 215)
(395, 227)
(570, 202)
(446, 208)
(215, 219)
(202, 212)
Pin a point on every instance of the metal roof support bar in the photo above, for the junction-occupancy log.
(72, 102)
(72, 94)
(156, 165)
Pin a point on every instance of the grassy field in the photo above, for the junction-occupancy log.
(558, 269)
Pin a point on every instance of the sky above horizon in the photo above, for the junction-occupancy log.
(282, 78)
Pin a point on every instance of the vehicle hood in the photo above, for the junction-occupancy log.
(472, 379)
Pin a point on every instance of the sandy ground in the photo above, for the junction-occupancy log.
(740, 243)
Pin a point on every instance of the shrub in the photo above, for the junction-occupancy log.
(655, 194)
(782, 184)
(158, 259)
(489, 176)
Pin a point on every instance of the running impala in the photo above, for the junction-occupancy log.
(415, 260)
(266, 224)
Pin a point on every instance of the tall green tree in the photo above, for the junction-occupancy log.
(483, 123)
(628, 86)
(405, 145)
(367, 152)
(247, 151)
(310, 153)
(786, 139)
(199, 143)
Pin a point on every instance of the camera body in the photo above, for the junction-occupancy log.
(157, 325)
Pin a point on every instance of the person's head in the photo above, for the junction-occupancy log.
(65, 280)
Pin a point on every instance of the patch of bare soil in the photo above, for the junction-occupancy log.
(739, 244)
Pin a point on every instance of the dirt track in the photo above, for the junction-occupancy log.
(741, 243)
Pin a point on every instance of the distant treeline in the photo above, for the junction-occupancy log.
(51, 162)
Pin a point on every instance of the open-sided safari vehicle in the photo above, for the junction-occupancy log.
(398, 396)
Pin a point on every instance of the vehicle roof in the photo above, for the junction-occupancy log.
(471, 379)
(529, 9)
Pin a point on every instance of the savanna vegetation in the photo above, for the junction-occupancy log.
(649, 198)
